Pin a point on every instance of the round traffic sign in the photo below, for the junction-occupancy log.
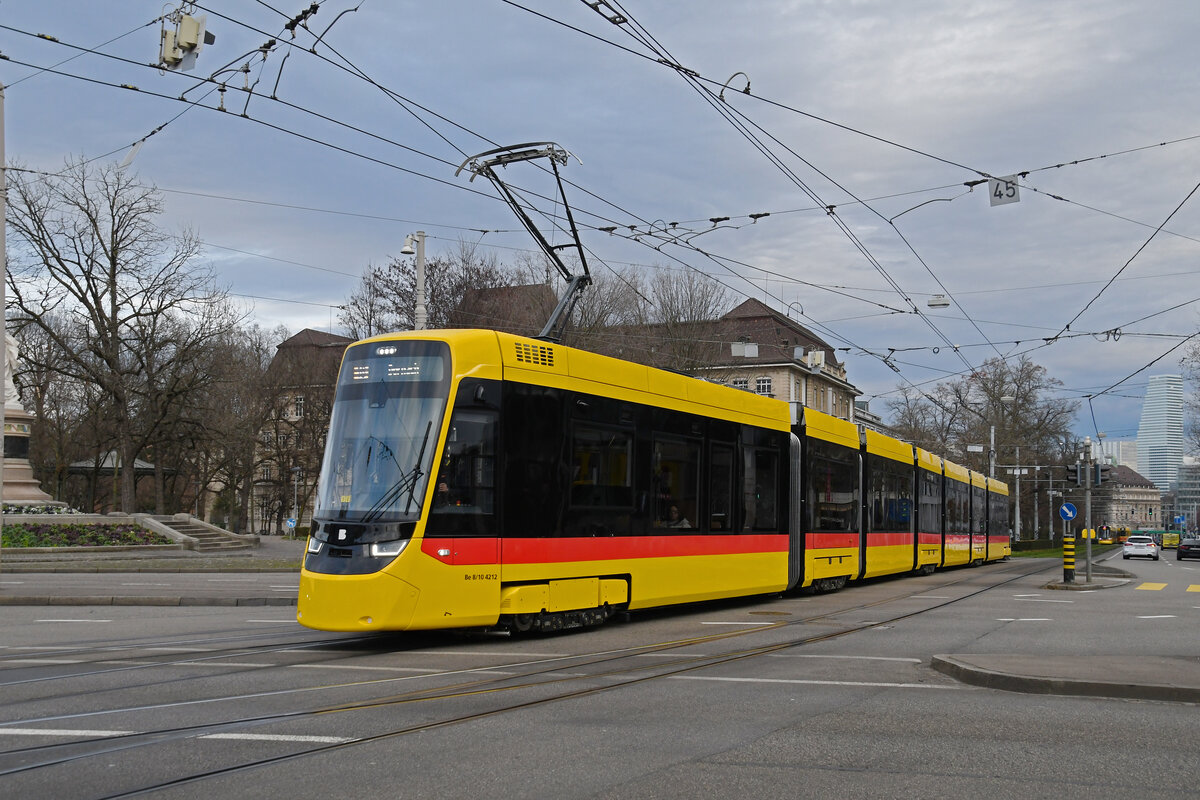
(1067, 511)
(291, 522)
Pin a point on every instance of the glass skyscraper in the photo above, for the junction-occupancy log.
(1160, 432)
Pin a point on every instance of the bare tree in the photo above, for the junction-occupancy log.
(128, 300)
(1016, 398)
(385, 299)
(669, 321)
(1191, 403)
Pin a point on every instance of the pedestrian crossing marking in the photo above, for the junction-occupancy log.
(1153, 587)
(1195, 587)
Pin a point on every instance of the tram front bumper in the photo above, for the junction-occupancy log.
(355, 603)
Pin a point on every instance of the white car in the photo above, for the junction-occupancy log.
(1140, 546)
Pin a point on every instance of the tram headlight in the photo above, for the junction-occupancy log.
(314, 546)
(388, 549)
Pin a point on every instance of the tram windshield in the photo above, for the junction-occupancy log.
(387, 413)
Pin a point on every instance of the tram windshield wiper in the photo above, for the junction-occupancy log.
(407, 480)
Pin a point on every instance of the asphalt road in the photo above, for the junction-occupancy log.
(804, 696)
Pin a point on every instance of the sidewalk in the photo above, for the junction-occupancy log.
(259, 577)
(274, 553)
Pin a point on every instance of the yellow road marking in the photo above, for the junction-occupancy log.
(1195, 587)
(1152, 587)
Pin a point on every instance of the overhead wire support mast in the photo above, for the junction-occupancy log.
(482, 164)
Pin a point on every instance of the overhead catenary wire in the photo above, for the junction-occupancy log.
(706, 254)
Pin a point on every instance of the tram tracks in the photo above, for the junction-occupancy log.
(548, 680)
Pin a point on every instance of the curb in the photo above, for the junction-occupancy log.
(1011, 682)
(1086, 587)
(117, 566)
(85, 600)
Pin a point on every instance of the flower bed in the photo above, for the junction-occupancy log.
(75, 534)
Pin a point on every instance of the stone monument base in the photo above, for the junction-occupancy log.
(20, 487)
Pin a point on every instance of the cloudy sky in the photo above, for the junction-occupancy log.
(864, 138)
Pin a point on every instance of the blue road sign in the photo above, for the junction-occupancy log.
(1067, 511)
(1179, 520)
(291, 522)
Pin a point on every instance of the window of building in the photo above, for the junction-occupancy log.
(298, 406)
(762, 386)
(740, 383)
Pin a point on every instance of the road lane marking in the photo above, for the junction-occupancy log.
(1158, 616)
(75, 733)
(851, 658)
(61, 732)
(277, 737)
(1041, 600)
(1153, 587)
(74, 620)
(1195, 587)
(352, 666)
(870, 684)
(178, 649)
(43, 661)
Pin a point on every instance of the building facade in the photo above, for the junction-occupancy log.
(1160, 432)
(302, 376)
(1125, 500)
(768, 353)
(1187, 494)
(1120, 451)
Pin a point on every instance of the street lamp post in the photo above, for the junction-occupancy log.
(296, 495)
(419, 239)
(1089, 465)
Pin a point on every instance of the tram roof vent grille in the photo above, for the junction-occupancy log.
(535, 354)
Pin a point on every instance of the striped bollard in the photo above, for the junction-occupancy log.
(1069, 559)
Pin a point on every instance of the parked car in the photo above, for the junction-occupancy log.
(1141, 546)
(1188, 548)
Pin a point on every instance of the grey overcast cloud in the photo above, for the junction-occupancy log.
(866, 137)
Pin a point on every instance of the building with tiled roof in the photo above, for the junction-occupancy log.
(1125, 500)
(769, 353)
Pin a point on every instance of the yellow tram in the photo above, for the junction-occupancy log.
(476, 478)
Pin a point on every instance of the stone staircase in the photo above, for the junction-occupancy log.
(208, 538)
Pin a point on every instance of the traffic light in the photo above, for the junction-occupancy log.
(1102, 473)
(1073, 474)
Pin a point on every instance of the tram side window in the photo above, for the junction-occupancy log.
(978, 510)
(931, 502)
(676, 483)
(760, 486)
(720, 487)
(998, 517)
(957, 510)
(831, 487)
(890, 497)
(601, 467)
(465, 493)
